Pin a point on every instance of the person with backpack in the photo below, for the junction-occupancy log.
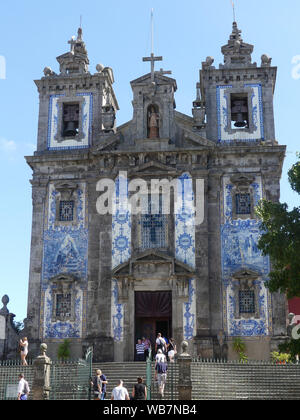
(96, 384)
(160, 344)
(23, 388)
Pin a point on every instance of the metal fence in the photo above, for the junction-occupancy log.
(9, 378)
(71, 380)
(171, 391)
(219, 380)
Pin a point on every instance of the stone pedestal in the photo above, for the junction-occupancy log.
(8, 333)
(41, 381)
(204, 347)
(185, 374)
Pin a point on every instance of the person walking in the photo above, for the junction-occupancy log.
(161, 370)
(120, 393)
(23, 388)
(172, 350)
(104, 382)
(97, 385)
(160, 344)
(159, 358)
(140, 351)
(147, 344)
(23, 346)
(139, 391)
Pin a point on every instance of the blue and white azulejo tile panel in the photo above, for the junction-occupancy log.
(117, 314)
(121, 250)
(55, 141)
(189, 313)
(239, 238)
(121, 224)
(65, 251)
(60, 329)
(225, 133)
(185, 246)
(185, 221)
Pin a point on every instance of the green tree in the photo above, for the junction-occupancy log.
(64, 351)
(281, 240)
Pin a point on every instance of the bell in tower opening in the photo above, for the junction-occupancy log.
(153, 122)
(239, 111)
(70, 120)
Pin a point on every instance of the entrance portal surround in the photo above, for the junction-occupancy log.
(151, 271)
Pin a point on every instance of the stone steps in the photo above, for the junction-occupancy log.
(130, 371)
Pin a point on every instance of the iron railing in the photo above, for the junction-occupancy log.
(9, 377)
(70, 380)
(233, 380)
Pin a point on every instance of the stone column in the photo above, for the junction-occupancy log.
(185, 374)
(41, 380)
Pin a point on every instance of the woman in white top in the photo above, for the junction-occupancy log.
(24, 350)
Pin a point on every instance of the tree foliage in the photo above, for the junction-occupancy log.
(281, 240)
(64, 352)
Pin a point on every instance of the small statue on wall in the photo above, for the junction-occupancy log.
(153, 122)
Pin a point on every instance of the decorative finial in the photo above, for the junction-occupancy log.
(43, 349)
(184, 346)
(5, 301)
(266, 60)
(99, 68)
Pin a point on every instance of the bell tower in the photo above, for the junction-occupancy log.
(239, 95)
(77, 108)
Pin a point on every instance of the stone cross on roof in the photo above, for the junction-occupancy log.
(153, 59)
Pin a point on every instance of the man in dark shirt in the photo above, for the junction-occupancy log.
(96, 385)
(139, 391)
(104, 383)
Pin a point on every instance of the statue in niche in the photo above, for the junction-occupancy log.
(153, 122)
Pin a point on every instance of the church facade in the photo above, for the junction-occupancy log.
(107, 278)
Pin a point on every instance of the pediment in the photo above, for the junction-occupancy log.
(152, 167)
(246, 273)
(147, 263)
(159, 78)
(242, 179)
(64, 278)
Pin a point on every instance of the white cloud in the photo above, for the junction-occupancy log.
(7, 146)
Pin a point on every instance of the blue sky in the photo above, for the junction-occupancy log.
(117, 34)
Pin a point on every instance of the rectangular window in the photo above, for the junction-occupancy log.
(154, 227)
(243, 203)
(70, 120)
(247, 301)
(66, 211)
(63, 305)
(239, 111)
